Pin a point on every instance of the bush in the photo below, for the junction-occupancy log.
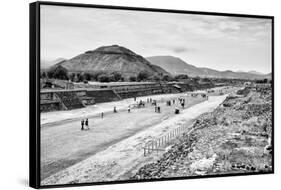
(244, 91)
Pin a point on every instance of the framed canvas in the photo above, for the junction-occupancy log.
(126, 94)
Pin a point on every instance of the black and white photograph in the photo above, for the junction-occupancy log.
(132, 95)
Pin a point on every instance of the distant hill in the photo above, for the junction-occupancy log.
(268, 76)
(256, 72)
(177, 66)
(173, 65)
(109, 59)
(47, 64)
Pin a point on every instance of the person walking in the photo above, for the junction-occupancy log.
(182, 105)
(82, 125)
(129, 109)
(101, 114)
(87, 123)
(177, 110)
(114, 109)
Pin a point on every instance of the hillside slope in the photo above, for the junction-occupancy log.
(109, 59)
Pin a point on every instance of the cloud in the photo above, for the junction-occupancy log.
(179, 49)
(182, 49)
(217, 41)
(230, 26)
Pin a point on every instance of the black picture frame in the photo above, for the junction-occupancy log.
(34, 91)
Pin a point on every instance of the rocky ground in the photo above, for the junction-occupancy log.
(234, 138)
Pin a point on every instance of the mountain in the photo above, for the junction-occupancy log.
(47, 64)
(110, 59)
(268, 76)
(255, 72)
(177, 66)
(173, 64)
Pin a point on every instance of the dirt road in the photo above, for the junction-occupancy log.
(121, 151)
(63, 143)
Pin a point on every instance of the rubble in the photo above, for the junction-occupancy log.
(234, 138)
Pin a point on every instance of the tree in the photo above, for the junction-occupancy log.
(80, 77)
(87, 76)
(103, 78)
(50, 74)
(95, 75)
(181, 76)
(143, 75)
(167, 78)
(132, 78)
(155, 78)
(43, 75)
(116, 76)
(206, 80)
(262, 81)
(72, 77)
(111, 78)
(196, 79)
(58, 72)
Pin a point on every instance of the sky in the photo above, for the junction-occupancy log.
(216, 42)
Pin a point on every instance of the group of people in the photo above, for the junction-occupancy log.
(85, 124)
(169, 102)
(153, 102)
(149, 100)
(182, 102)
(141, 104)
(157, 109)
(202, 95)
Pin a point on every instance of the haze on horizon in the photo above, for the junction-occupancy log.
(216, 42)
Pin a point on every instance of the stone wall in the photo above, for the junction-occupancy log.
(100, 95)
(50, 106)
(78, 98)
